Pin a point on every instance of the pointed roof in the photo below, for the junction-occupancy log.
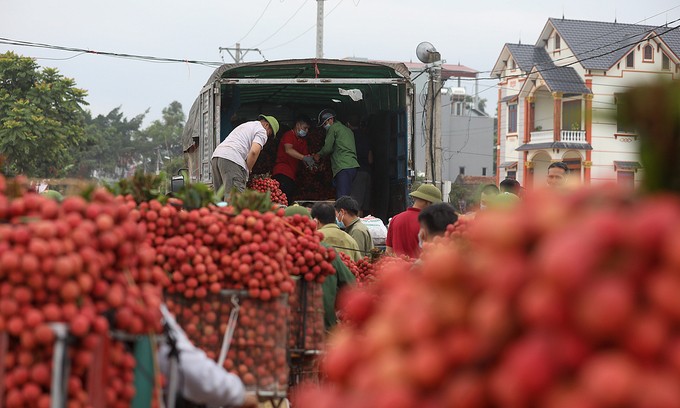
(536, 61)
(524, 55)
(599, 45)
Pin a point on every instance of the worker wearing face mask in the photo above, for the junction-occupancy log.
(292, 150)
(340, 146)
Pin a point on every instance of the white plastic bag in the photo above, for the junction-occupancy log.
(376, 229)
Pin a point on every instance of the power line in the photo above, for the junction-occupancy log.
(304, 32)
(614, 31)
(147, 58)
(580, 60)
(283, 25)
(256, 21)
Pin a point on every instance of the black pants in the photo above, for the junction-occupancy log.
(287, 186)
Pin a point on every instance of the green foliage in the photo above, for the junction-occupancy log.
(41, 118)
(252, 200)
(142, 187)
(120, 144)
(197, 195)
(655, 112)
(159, 146)
(112, 152)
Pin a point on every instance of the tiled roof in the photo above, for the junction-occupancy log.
(508, 165)
(599, 45)
(523, 55)
(671, 38)
(558, 79)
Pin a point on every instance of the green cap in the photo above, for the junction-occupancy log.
(428, 192)
(53, 194)
(296, 209)
(272, 122)
(505, 200)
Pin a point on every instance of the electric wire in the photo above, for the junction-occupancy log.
(283, 25)
(304, 32)
(256, 21)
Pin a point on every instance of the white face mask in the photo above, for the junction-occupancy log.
(302, 133)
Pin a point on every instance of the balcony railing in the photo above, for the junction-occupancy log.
(578, 136)
(574, 136)
(542, 136)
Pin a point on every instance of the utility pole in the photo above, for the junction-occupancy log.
(433, 134)
(319, 28)
(240, 53)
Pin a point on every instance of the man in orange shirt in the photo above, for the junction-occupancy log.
(292, 149)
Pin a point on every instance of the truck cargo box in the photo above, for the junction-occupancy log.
(378, 94)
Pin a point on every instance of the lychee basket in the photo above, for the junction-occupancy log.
(95, 380)
(307, 333)
(252, 346)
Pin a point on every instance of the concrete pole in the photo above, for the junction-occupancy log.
(429, 134)
(438, 157)
(433, 134)
(237, 53)
(319, 28)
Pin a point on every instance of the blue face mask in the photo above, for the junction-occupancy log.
(339, 223)
(326, 126)
(302, 133)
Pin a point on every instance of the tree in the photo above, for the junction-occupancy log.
(481, 103)
(120, 145)
(41, 118)
(160, 144)
(112, 153)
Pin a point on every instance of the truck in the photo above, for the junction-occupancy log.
(380, 93)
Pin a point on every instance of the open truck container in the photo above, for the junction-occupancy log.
(378, 93)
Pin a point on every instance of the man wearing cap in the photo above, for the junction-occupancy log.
(233, 160)
(402, 233)
(340, 146)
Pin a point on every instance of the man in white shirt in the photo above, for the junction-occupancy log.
(201, 380)
(233, 160)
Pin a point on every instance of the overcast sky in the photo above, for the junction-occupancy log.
(470, 32)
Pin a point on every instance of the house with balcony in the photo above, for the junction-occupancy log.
(557, 99)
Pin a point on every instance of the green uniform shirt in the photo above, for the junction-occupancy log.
(341, 241)
(340, 145)
(330, 287)
(359, 232)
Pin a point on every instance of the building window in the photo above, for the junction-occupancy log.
(665, 62)
(513, 65)
(483, 171)
(512, 118)
(630, 60)
(648, 53)
(622, 123)
(571, 115)
(461, 170)
(511, 174)
(626, 179)
(558, 41)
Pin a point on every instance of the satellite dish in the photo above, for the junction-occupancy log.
(426, 53)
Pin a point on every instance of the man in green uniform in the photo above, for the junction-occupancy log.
(339, 144)
(324, 215)
(347, 213)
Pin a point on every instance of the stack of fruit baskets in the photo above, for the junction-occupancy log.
(70, 274)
